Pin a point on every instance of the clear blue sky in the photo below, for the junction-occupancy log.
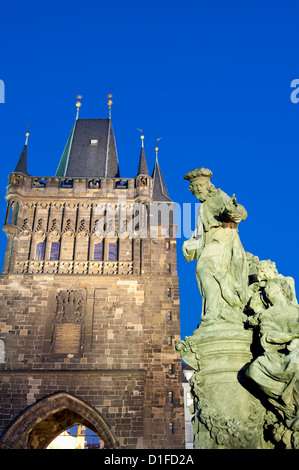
(211, 78)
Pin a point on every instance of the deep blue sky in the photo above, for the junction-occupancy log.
(211, 78)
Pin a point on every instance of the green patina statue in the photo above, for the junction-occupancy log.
(221, 269)
(245, 351)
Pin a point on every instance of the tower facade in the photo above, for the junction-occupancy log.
(89, 309)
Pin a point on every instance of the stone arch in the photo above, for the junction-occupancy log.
(41, 422)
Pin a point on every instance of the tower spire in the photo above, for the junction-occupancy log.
(160, 192)
(22, 163)
(142, 167)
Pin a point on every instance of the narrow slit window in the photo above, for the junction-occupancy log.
(16, 214)
(112, 252)
(54, 253)
(40, 251)
(170, 427)
(170, 398)
(169, 340)
(98, 251)
(168, 292)
(10, 214)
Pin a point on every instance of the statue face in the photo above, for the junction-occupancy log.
(199, 187)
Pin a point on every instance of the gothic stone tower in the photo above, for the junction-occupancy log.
(90, 302)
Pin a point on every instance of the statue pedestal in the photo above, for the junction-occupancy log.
(226, 415)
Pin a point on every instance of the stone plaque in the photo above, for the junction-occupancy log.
(67, 338)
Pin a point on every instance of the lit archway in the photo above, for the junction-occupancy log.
(40, 423)
(77, 437)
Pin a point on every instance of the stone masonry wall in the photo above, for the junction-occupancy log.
(122, 367)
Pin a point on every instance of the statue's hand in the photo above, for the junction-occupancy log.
(190, 249)
(234, 211)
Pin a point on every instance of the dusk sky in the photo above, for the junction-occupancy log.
(212, 79)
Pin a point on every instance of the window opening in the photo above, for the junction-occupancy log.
(16, 214)
(39, 183)
(94, 184)
(40, 251)
(112, 252)
(98, 251)
(121, 184)
(10, 214)
(67, 183)
(54, 254)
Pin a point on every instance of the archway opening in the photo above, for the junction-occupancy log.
(63, 429)
(77, 437)
(43, 421)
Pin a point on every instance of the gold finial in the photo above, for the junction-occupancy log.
(78, 105)
(27, 135)
(109, 102)
(142, 136)
(157, 148)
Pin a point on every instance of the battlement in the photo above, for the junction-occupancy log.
(47, 186)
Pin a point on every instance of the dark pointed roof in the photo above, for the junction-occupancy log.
(90, 150)
(142, 167)
(22, 163)
(160, 192)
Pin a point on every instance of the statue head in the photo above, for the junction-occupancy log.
(200, 184)
(266, 270)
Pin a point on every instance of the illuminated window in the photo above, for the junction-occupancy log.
(170, 369)
(169, 340)
(98, 251)
(170, 427)
(40, 251)
(170, 398)
(54, 254)
(168, 292)
(112, 252)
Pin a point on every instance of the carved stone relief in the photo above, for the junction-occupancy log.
(68, 323)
